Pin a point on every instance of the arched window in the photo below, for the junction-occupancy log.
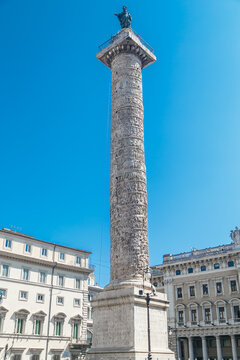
(89, 337)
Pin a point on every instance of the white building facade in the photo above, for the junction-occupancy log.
(44, 305)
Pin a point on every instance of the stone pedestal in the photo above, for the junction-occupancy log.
(120, 326)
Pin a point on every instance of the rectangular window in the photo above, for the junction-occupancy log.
(207, 313)
(89, 313)
(38, 327)
(205, 289)
(58, 328)
(216, 266)
(233, 285)
(178, 272)
(78, 260)
(230, 263)
(77, 302)
(23, 295)
(190, 270)
(42, 277)
(90, 297)
(194, 316)
(61, 256)
(25, 274)
(20, 325)
(5, 271)
(27, 248)
(221, 313)
(17, 357)
(75, 330)
(78, 283)
(219, 287)
(203, 268)
(56, 357)
(8, 243)
(179, 293)
(44, 252)
(236, 313)
(192, 290)
(40, 298)
(180, 317)
(60, 300)
(35, 357)
(60, 280)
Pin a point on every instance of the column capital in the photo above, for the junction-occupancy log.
(126, 41)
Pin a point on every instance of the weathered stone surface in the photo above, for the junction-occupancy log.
(128, 194)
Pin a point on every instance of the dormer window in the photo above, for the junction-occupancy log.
(8, 244)
(28, 248)
(44, 252)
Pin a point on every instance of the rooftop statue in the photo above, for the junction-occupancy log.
(235, 235)
(125, 18)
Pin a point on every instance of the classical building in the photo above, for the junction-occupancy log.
(203, 289)
(44, 304)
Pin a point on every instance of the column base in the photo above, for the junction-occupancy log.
(120, 326)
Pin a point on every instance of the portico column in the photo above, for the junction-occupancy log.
(234, 347)
(219, 349)
(204, 348)
(179, 355)
(190, 348)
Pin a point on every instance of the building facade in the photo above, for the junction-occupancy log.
(44, 304)
(203, 289)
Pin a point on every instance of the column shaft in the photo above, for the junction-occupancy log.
(234, 347)
(190, 348)
(204, 348)
(219, 348)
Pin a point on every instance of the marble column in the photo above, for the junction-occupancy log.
(219, 348)
(204, 348)
(234, 347)
(190, 348)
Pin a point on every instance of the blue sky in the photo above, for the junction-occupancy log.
(54, 122)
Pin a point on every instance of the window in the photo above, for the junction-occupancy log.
(3, 293)
(219, 288)
(178, 272)
(44, 252)
(40, 298)
(230, 263)
(78, 282)
(207, 315)
(75, 330)
(56, 357)
(216, 266)
(180, 317)
(179, 293)
(205, 289)
(194, 316)
(20, 326)
(17, 357)
(60, 300)
(61, 256)
(90, 297)
(221, 313)
(38, 327)
(8, 243)
(203, 268)
(154, 284)
(233, 285)
(35, 357)
(23, 295)
(25, 274)
(5, 271)
(89, 313)
(58, 327)
(42, 277)
(27, 248)
(190, 270)
(226, 342)
(60, 280)
(89, 337)
(236, 313)
(192, 290)
(78, 260)
(77, 302)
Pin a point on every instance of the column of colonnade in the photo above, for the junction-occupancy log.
(191, 355)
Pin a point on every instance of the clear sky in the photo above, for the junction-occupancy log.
(54, 122)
